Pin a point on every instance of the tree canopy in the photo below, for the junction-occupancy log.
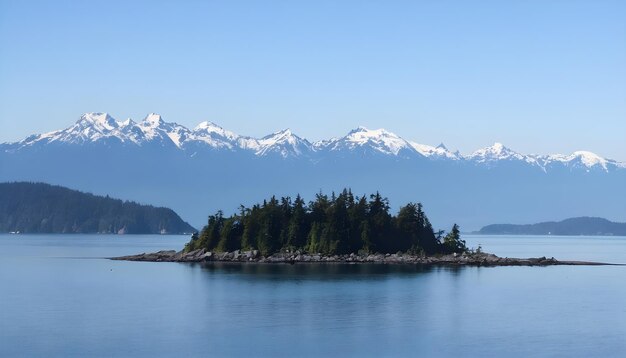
(339, 224)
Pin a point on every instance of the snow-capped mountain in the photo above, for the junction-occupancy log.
(95, 128)
(155, 129)
(497, 153)
(438, 152)
(367, 141)
(581, 160)
(214, 136)
(200, 170)
(90, 127)
(284, 143)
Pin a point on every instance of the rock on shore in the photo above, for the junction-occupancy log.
(253, 256)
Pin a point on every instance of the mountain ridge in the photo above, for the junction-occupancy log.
(97, 128)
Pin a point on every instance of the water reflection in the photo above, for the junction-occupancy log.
(321, 271)
(52, 306)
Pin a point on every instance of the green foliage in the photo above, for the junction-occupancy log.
(298, 225)
(44, 208)
(340, 224)
(453, 242)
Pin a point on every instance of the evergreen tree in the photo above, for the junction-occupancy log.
(453, 242)
(230, 235)
(357, 216)
(252, 226)
(268, 238)
(210, 236)
(314, 237)
(298, 226)
(379, 223)
(409, 227)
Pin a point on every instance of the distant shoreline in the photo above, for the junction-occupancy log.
(579, 226)
(20, 234)
(254, 257)
(478, 233)
(35, 207)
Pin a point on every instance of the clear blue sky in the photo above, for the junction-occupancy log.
(541, 76)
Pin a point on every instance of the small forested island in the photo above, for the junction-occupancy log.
(590, 226)
(43, 208)
(339, 224)
(339, 228)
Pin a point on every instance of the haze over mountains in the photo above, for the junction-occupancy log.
(196, 171)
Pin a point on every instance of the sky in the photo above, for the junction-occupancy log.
(542, 77)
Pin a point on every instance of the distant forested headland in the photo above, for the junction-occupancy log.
(339, 224)
(574, 226)
(43, 208)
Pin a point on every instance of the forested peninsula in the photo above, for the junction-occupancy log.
(44, 208)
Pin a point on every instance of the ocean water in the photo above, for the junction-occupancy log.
(60, 296)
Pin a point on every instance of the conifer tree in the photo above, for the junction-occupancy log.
(230, 235)
(453, 241)
(298, 228)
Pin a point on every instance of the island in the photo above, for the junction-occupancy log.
(43, 208)
(589, 226)
(342, 228)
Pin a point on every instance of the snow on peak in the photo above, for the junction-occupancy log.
(438, 152)
(215, 136)
(496, 148)
(102, 128)
(208, 126)
(213, 130)
(359, 129)
(90, 127)
(153, 120)
(155, 130)
(285, 143)
(101, 122)
(498, 152)
(380, 140)
(282, 135)
(364, 132)
(590, 159)
(127, 123)
(495, 152)
(582, 158)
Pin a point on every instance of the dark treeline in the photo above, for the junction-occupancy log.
(339, 224)
(44, 208)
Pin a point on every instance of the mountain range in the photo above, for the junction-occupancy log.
(196, 171)
(101, 128)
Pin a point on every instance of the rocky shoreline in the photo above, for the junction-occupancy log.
(253, 256)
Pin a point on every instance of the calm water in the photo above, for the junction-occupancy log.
(59, 297)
